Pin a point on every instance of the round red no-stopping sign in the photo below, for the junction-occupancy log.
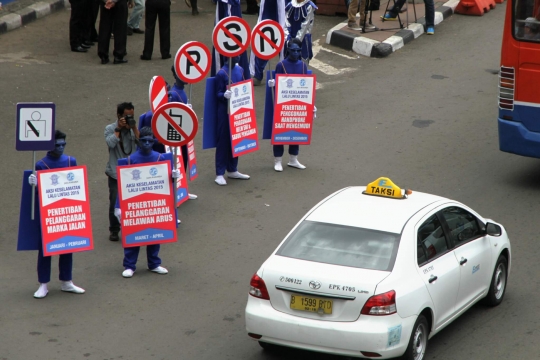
(192, 62)
(157, 92)
(267, 39)
(231, 36)
(174, 124)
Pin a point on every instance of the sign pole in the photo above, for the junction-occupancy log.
(271, 78)
(175, 153)
(230, 75)
(33, 186)
(189, 100)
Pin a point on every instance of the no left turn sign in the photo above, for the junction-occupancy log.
(267, 39)
(192, 62)
(174, 124)
(231, 36)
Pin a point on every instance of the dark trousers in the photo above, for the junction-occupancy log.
(157, 9)
(113, 21)
(77, 22)
(65, 264)
(430, 10)
(280, 149)
(185, 156)
(92, 12)
(132, 253)
(224, 158)
(252, 7)
(114, 224)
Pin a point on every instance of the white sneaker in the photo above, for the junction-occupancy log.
(41, 292)
(238, 175)
(128, 273)
(293, 162)
(178, 221)
(160, 270)
(277, 164)
(192, 196)
(69, 286)
(220, 180)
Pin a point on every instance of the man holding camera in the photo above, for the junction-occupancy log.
(121, 138)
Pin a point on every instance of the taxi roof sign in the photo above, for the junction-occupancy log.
(383, 186)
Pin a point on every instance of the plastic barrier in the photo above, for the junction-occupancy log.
(475, 7)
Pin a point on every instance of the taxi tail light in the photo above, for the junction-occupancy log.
(507, 83)
(382, 304)
(257, 288)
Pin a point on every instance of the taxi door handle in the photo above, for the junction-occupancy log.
(462, 261)
(432, 278)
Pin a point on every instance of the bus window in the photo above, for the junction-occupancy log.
(527, 20)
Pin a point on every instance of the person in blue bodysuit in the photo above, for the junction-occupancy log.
(299, 24)
(224, 159)
(290, 65)
(176, 94)
(55, 159)
(144, 155)
(225, 8)
(269, 10)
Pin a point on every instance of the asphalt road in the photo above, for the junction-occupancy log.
(425, 117)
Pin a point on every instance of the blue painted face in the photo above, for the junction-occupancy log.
(146, 143)
(59, 146)
(294, 52)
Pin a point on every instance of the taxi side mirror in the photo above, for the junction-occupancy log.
(493, 230)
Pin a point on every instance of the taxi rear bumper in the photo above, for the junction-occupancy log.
(384, 335)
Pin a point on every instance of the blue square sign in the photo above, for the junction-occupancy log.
(35, 126)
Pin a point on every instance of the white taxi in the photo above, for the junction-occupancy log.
(375, 271)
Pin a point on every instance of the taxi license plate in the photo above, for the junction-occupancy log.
(311, 304)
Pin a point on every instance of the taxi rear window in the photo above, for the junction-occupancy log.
(342, 245)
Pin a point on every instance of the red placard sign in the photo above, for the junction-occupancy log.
(267, 39)
(231, 36)
(181, 182)
(293, 112)
(192, 161)
(66, 225)
(174, 124)
(157, 92)
(192, 62)
(145, 194)
(242, 121)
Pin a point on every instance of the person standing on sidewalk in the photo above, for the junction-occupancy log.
(135, 18)
(113, 16)
(391, 15)
(356, 6)
(157, 9)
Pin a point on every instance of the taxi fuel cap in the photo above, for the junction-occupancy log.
(385, 187)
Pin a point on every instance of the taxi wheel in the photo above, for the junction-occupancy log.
(419, 339)
(498, 283)
(266, 346)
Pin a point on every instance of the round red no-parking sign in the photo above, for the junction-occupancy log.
(192, 62)
(267, 39)
(231, 36)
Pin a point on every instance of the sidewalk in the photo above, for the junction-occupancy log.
(389, 37)
(22, 12)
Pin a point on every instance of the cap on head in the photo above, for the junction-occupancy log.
(531, 23)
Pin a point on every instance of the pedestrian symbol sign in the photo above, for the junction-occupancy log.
(35, 126)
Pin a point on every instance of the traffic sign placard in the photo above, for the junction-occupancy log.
(35, 126)
(192, 62)
(267, 39)
(174, 124)
(157, 92)
(231, 36)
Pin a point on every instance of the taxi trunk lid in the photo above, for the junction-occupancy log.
(318, 287)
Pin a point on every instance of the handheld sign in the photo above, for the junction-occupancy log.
(242, 122)
(66, 226)
(174, 124)
(35, 126)
(192, 62)
(147, 203)
(267, 39)
(192, 161)
(181, 182)
(231, 36)
(293, 112)
(157, 92)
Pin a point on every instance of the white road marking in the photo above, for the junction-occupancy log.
(321, 66)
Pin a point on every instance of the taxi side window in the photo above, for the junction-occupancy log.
(463, 225)
(431, 240)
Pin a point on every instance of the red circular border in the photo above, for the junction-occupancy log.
(179, 55)
(222, 23)
(256, 28)
(167, 106)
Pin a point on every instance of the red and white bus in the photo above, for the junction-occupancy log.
(519, 79)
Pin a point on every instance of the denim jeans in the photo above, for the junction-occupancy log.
(134, 20)
(430, 10)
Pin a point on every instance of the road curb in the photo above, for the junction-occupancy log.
(28, 14)
(373, 48)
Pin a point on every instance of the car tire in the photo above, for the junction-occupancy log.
(497, 288)
(266, 346)
(416, 350)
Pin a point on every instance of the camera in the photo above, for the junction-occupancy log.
(130, 120)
